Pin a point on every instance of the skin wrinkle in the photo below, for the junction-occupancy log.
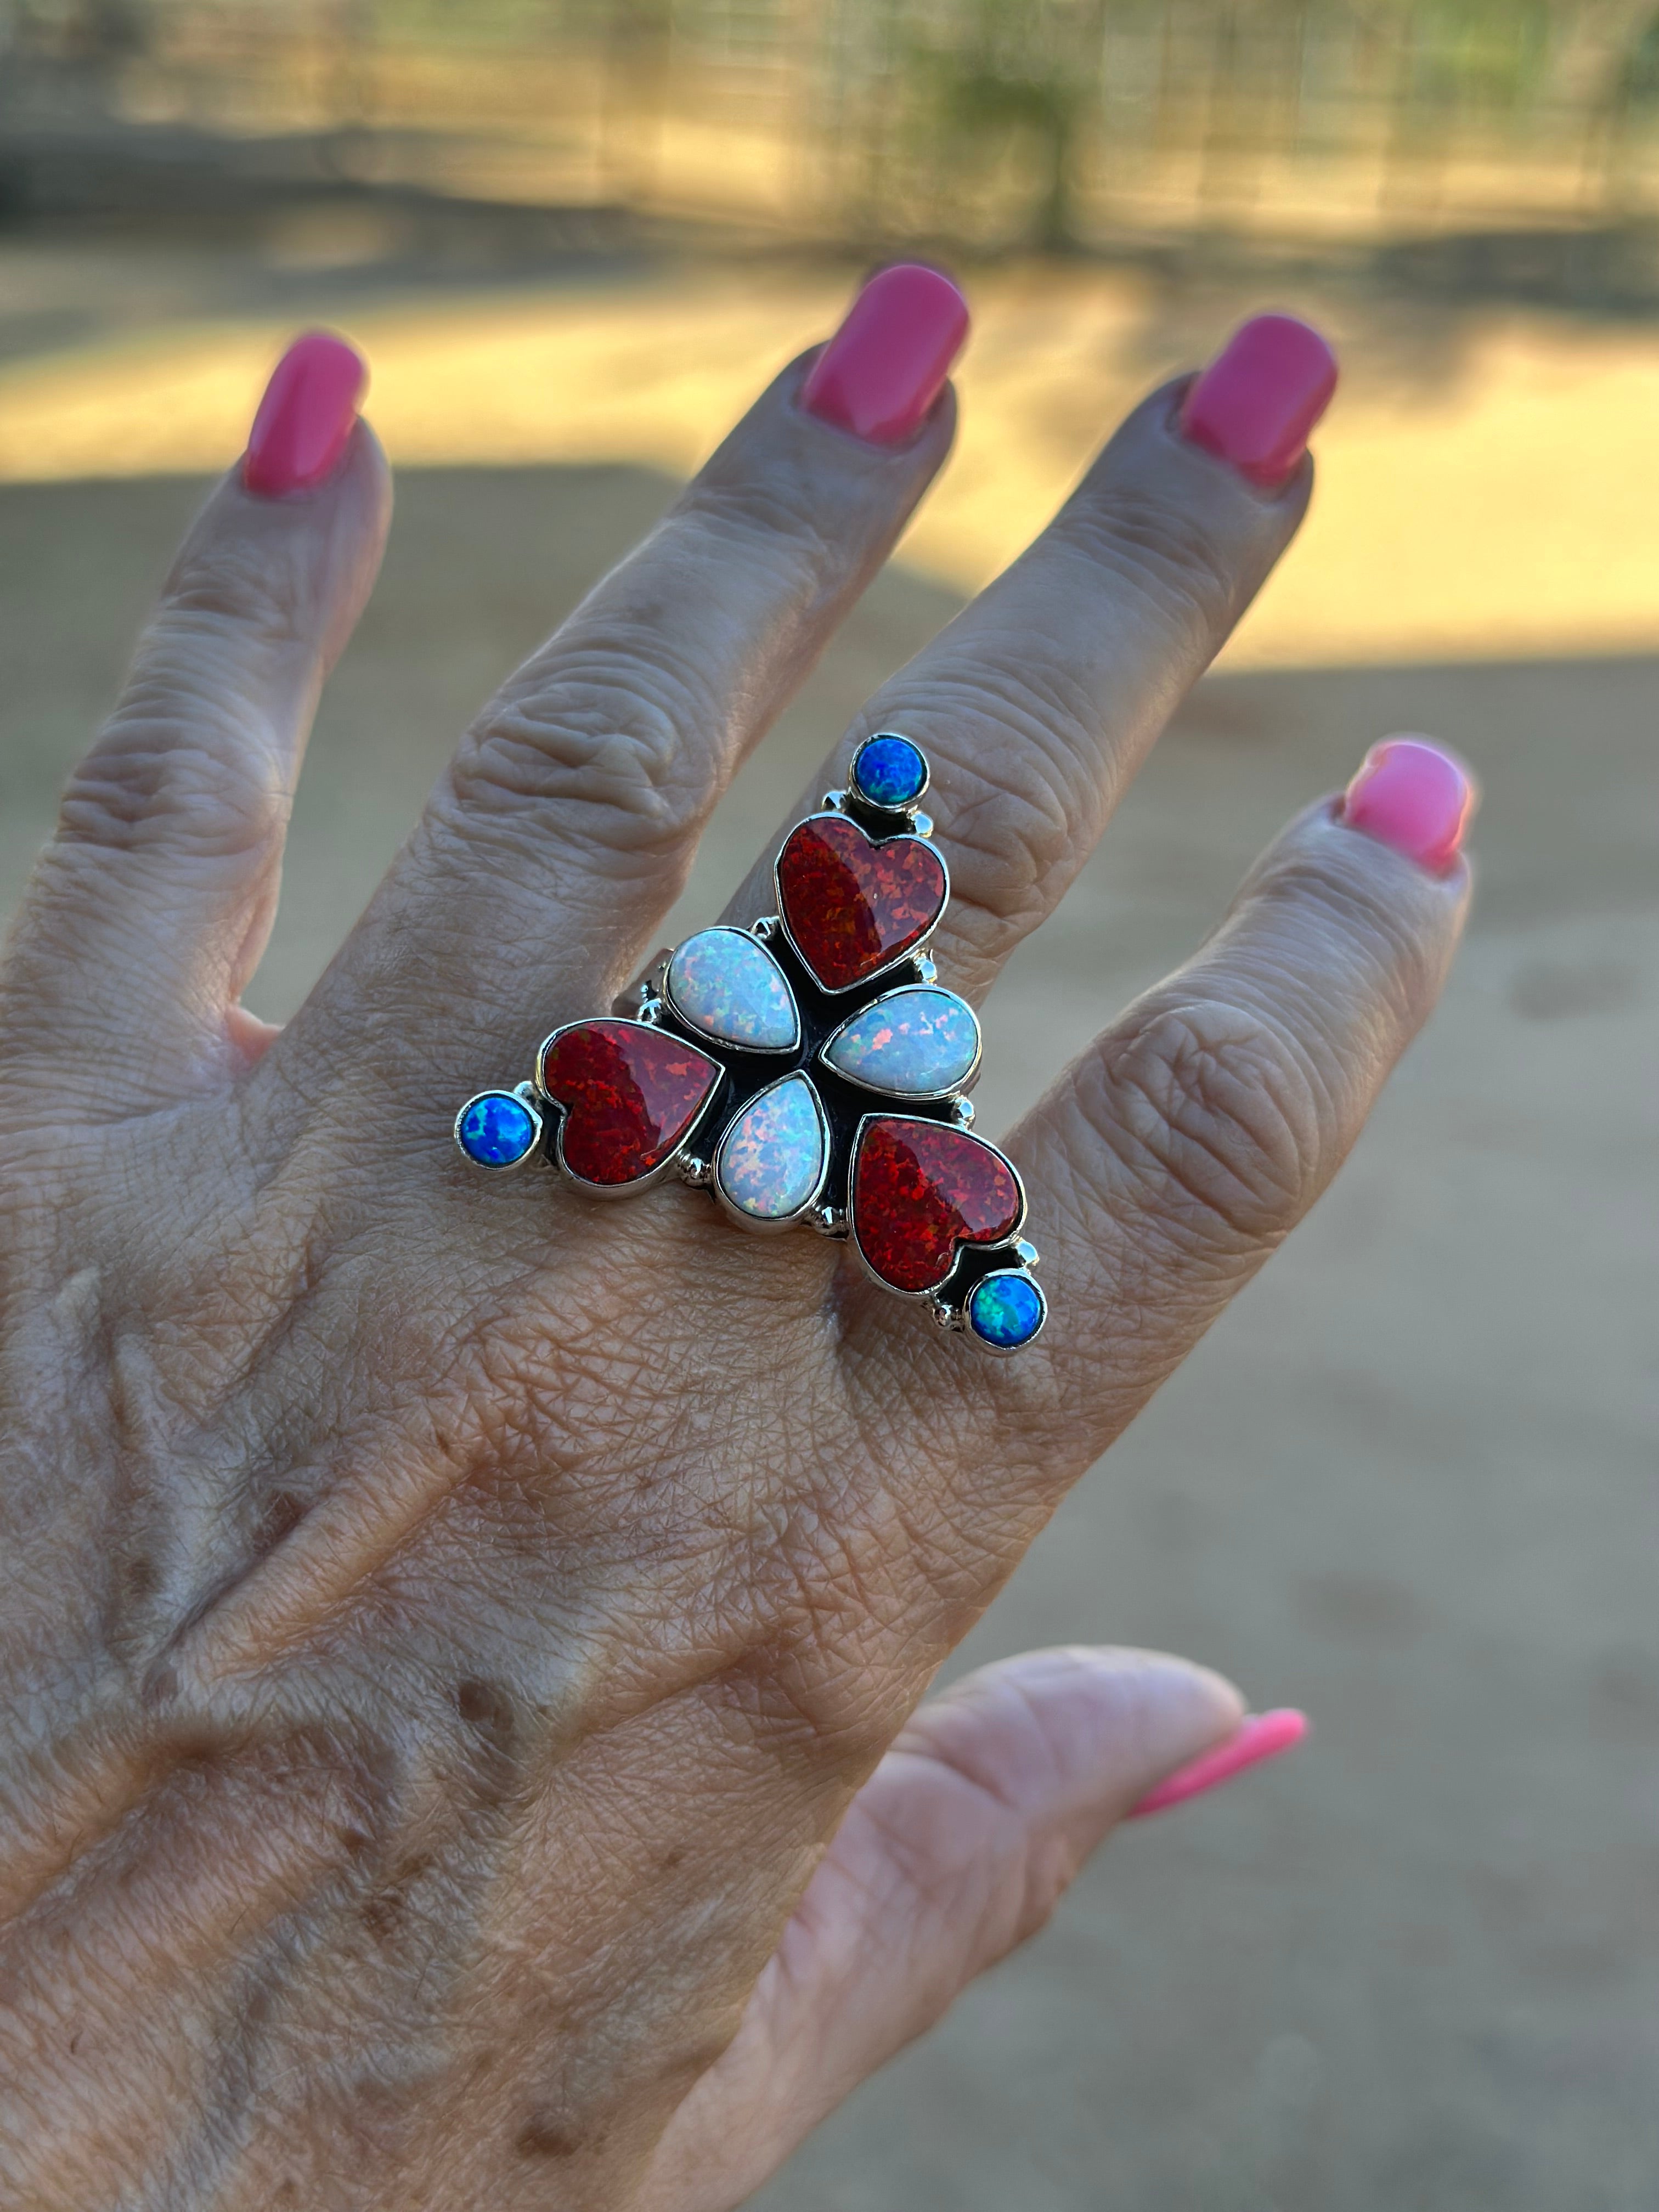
(602, 733)
(1130, 670)
(503, 1596)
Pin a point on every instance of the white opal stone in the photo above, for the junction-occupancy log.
(771, 1161)
(912, 1043)
(729, 986)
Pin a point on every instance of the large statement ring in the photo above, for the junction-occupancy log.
(808, 1069)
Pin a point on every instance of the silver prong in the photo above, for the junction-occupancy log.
(766, 925)
(698, 1173)
(650, 1005)
(627, 1001)
(926, 971)
(946, 1316)
(827, 1220)
(1028, 1254)
(921, 825)
(835, 801)
(962, 1112)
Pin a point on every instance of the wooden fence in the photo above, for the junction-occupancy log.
(1059, 124)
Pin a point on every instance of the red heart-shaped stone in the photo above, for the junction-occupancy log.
(920, 1188)
(630, 1093)
(851, 905)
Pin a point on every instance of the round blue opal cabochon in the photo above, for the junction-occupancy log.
(890, 771)
(1005, 1310)
(495, 1129)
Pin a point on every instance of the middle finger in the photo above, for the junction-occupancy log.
(562, 828)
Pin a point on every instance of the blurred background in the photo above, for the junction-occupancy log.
(1410, 1481)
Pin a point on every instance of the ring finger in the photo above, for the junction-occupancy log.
(1037, 704)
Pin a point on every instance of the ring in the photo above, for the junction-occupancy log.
(810, 1069)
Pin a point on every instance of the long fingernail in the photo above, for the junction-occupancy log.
(1257, 404)
(1259, 1736)
(880, 374)
(305, 417)
(1410, 795)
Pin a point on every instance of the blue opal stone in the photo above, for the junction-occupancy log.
(1005, 1310)
(890, 771)
(727, 986)
(913, 1043)
(495, 1129)
(771, 1159)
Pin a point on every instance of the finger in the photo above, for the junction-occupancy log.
(956, 1848)
(1177, 1153)
(1037, 704)
(149, 909)
(563, 829)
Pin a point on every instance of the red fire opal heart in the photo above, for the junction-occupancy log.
(851, 905)
(631, 1096)
(918, 1190)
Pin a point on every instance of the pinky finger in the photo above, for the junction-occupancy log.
(1177, 1153)
(956, 1848)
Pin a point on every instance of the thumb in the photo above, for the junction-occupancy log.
(956, 1850)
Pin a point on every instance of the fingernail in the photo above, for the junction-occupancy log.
(880, 374)
(305, 417)
(1413, 797)
(1258, 1737)
(1256, 403)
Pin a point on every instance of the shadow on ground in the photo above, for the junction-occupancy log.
(1408, 1482)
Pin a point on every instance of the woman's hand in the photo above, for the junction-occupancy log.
(447, 1621)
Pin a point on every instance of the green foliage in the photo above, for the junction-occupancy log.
(1490, 54)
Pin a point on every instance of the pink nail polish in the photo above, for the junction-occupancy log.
(1259, 1736)
(1413, 797)
(305, 417)
(880, 374)
(1255, 406)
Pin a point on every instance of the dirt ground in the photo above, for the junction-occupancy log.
(1409, 1482)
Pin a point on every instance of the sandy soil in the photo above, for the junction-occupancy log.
(1409, 1482)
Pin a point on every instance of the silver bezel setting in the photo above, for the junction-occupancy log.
(964, 1082)
(750, 936)
(756, 1224)
(915, 951)
(521, 1094)
(881, 805)
(934, 1290)
(665, 1168)
(748, 1073)
(1006, 1351)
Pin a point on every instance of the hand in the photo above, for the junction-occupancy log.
(447, 1621)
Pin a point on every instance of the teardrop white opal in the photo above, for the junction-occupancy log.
(912, 1043)
(728, 987)
(771, 1160)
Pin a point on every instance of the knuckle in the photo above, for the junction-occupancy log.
(777, 518)
(225, 602)
(1380, 956)
(149, 780)
(1012, 826)
(1159, 549)
(1220, 1120)
(187, 759)
(602, 735)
